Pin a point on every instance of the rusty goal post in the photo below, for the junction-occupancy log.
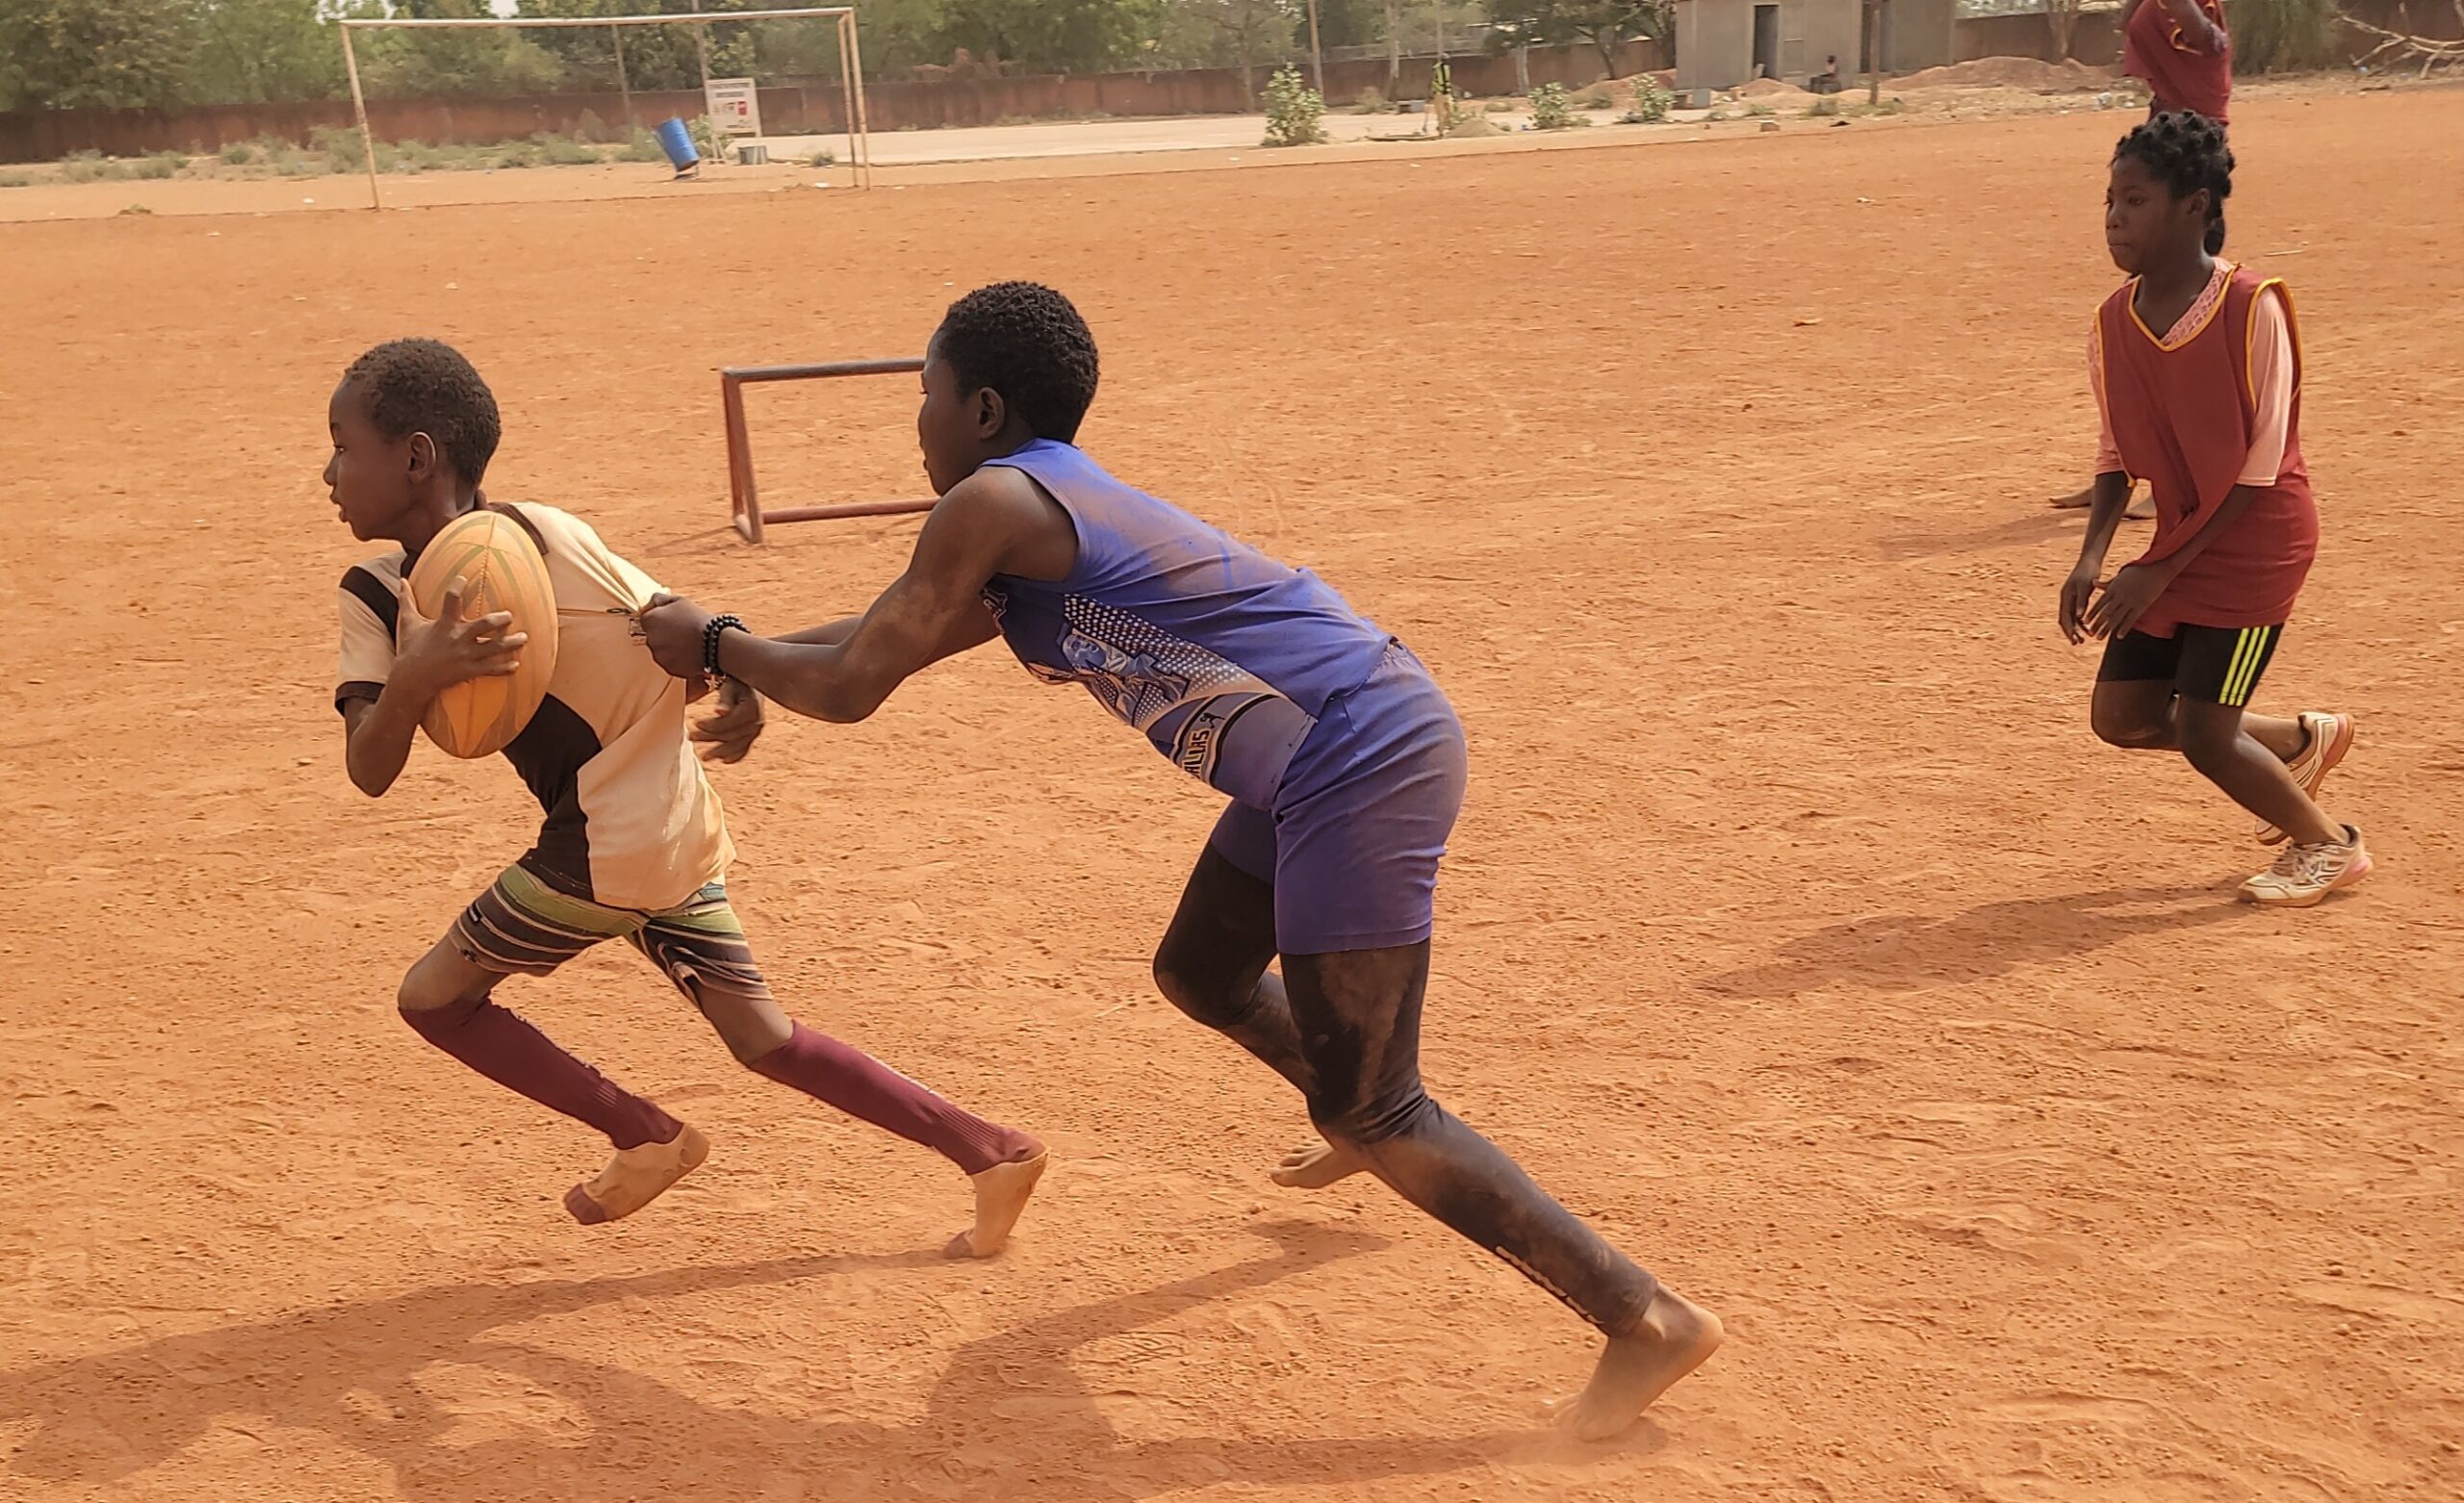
(744, 494)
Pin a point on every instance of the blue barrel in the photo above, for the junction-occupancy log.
(677, 142)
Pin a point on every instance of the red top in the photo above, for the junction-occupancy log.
(2153, 48)
(2183, 418)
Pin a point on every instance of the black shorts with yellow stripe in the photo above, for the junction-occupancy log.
(2219, 664)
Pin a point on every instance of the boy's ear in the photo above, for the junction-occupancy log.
(423, 450)
(990, 412)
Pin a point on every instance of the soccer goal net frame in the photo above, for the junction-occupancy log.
(850, 63)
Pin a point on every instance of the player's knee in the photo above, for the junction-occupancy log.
(1373, 1118)
(428, 990)
(2131, 733)
(2210, 748)
(1188, 988)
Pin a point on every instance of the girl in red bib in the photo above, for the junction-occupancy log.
(2208, 413)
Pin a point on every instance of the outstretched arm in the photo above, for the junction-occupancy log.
(997, 521)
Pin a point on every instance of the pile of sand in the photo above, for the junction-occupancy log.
(1765, 88)
(2066, 77)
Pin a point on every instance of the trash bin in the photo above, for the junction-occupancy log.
(677, 142)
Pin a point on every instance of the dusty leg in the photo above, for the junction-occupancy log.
(445, 999)
(1213, 964)
(702, 949)
(1359, 1013)
(2214, 742)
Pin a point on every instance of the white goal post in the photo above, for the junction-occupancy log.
(851, 64)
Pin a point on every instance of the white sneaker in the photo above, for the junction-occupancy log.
(2330, 738)
(2304, 875)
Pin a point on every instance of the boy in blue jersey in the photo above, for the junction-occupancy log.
(1343, 761)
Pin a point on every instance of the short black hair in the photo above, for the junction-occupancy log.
(424, 385)
(1024, 341)
(2186, 152)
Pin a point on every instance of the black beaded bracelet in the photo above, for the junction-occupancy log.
(710, 669)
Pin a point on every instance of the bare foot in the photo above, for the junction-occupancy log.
(2143, 509)
(2077, 500)
(1317, 1166)
(635, 1177)
(1674, 1339)
(1000, 1198)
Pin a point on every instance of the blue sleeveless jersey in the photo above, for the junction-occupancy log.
(1223, 657)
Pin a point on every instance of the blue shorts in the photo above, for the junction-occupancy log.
(1361, 818)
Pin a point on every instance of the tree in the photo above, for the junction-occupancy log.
(2280, 35)
(263, 51)
(94, 54)
(1342, 23)
(1606, 24)
(2061, 17)
(412, 64)
(655, 57)
(1058, 36)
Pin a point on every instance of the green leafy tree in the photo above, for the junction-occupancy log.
(414, 64)
(655, 57)
(263, 51)
(1055, 35)
(1604, 24)
(94, 54)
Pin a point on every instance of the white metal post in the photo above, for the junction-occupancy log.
(359, 108)
(863, 129)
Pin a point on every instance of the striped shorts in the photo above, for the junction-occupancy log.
(2220, 665)
(522, 927)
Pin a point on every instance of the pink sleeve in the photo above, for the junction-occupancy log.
(2107, 457)
(2270, 388)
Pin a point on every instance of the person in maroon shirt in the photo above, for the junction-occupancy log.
(2180, 49)
(2209, 414)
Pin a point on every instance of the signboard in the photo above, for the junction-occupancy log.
(735, 106)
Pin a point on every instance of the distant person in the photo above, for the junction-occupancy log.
(1826, 81)
(2181, 50)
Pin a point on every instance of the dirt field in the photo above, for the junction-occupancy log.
(1797, 931)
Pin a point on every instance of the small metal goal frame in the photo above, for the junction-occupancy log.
(744, 497)
(850, 63)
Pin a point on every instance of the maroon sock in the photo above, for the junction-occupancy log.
(508, 1051)
(862, 1087)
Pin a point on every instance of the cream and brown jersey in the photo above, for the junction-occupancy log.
(632, 822)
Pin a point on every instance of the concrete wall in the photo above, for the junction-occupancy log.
(817, 109)
(1715, 38)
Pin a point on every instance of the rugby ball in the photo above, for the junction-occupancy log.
(500, 570)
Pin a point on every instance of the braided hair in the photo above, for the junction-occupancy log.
(2186, 152)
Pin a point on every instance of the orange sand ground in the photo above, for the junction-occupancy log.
(1797, 932)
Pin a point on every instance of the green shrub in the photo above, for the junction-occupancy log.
(239, 153)
(642, 146)
(340, 146)
(824, 158)
(1823, 108)
(160, 165)
(1373, 100)
(518, 154)
(591, 128)
(1552, 108)
(134, 210)
(1650, 104)
(563, 152)
(15, 180)
(91, 166)
(1294, 112)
